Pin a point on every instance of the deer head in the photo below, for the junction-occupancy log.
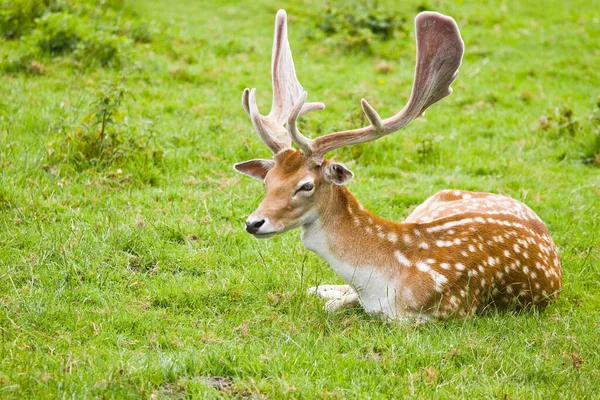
(300, 183)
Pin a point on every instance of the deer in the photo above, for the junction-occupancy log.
(458, 254)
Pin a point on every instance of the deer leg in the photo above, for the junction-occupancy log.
(337, 296)
(330, 292)
(345, 300)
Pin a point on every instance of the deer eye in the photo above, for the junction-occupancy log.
(307, 187)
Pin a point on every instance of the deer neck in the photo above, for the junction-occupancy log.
(348, 236)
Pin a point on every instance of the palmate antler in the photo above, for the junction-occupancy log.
(439, 54)
(286, 92)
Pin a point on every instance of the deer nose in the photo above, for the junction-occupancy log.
(254, 226)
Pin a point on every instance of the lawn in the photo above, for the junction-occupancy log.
(125, 271)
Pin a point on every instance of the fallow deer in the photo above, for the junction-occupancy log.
(455, 255)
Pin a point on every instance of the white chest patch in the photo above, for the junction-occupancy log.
(376, 292)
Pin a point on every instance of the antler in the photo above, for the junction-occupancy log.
(286, 92)
(439, 54)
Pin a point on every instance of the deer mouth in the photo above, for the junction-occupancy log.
(264, 235)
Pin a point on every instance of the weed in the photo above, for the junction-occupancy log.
(592, 144)
(18, 62)
(105, 136)
(355, 25)
(90, 33)
(57, 33)
(17, 17)
(428, 150)
(141, 31)
(559, 119)
(585, 131)
(5, 201)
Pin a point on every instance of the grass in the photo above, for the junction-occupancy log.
(134, 278)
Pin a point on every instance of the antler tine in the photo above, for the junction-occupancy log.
(305, 144)
(263, 126)
(439, 54)
(286, 92)
(245, 100)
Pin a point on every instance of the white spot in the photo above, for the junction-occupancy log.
(445, 266)
(423, 266)
(459, 266)
(525, 269)
(506, 253)
(491, 261)
(423, 245)
(466, 196)
(402, 258)
(407, 239)
(438, 280)
(450, 224)
(392, 237)
(472, 248)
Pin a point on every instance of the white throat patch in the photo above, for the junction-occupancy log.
(376, 292)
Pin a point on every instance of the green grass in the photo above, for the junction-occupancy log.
(131, 279)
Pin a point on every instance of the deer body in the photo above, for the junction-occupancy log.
(455, 255)
(466, 252)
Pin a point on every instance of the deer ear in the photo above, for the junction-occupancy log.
(256, 169)
(337, 174)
